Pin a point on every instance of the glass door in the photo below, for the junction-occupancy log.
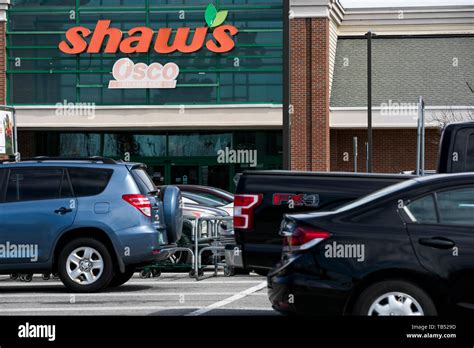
(158, 174)
(185, 175)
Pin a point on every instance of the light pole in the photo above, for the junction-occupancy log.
(369, 36)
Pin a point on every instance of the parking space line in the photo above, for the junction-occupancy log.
(144, 283)
(120, 294)
(229, 300)
(106, 309)
(90, 309)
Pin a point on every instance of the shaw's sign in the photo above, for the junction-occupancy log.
(141, 39)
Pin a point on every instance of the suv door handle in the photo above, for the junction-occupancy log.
(437, 242)
(63, 211)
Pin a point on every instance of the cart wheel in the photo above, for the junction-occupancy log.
(201, 273)
(229, 271)
(21, 277)
(156, 273)
(192, 273)
(28, 278)
(14, 276)
(46, 276)
(55, 276)
(145, 274)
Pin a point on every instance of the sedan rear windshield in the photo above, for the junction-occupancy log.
(377, 194)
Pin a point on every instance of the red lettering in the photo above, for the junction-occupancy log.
(137, 44)
(180, 42)
(223, 36)
(140, 39)
(77, 43)
(102, 30)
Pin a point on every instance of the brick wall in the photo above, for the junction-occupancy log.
(3, 78)
(394, 149)
(309, 93)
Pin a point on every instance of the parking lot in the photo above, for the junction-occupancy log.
(170, 294)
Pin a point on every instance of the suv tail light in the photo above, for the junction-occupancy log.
(140, 202)
(244, 206)
(300, 238)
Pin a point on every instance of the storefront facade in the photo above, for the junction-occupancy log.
(228, 94)
(416, 51)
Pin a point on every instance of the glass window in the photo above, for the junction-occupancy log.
(424, 210)
(456, 207)
(89, 181)
(79, 145)
(39, 73)
(470, 155)
(33, 184)
(143, 180)
(199, 144)
(66, 188)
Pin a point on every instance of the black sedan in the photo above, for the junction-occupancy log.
(405, 250)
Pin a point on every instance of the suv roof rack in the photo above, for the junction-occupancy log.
(96, 159)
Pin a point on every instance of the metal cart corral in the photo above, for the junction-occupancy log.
(206, 236)
(216, 239)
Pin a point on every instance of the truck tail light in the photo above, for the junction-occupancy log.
(140, 202)
(300, 238)
(244, 206)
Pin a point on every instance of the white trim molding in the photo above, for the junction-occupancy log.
(4, 4)
(409, 20)
(149, 117)
(317, 9)
(395, 118)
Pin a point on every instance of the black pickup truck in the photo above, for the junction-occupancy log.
(263, 197)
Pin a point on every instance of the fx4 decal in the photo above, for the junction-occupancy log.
(297, 200)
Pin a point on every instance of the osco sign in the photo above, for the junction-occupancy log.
(130, 75)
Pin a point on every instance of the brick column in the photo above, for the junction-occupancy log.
(3, 59)
(3, 64)
(309, 94)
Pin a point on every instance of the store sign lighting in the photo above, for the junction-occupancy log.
(141, 39)
(127, 74)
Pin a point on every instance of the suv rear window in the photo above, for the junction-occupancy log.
(89, 181)
(33, 184)
(143, 180)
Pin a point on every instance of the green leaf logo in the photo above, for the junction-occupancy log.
(220, 18)
(214, 18)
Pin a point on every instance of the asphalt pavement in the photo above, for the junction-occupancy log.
(170, 294)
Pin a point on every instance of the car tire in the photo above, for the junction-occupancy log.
(394, 297)
(121, 278)
(79, 266)
(261, 272)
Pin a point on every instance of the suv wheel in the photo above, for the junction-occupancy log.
(85, 265)
(394, 298)
(121, 278)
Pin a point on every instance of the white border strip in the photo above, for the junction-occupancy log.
(229, 300)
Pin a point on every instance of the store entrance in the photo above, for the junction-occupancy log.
(207, 173)
(185, 175)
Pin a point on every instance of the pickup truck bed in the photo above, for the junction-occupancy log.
(283, 192)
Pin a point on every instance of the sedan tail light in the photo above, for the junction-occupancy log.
(301, 238)
(244, 206)
(141, 202)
